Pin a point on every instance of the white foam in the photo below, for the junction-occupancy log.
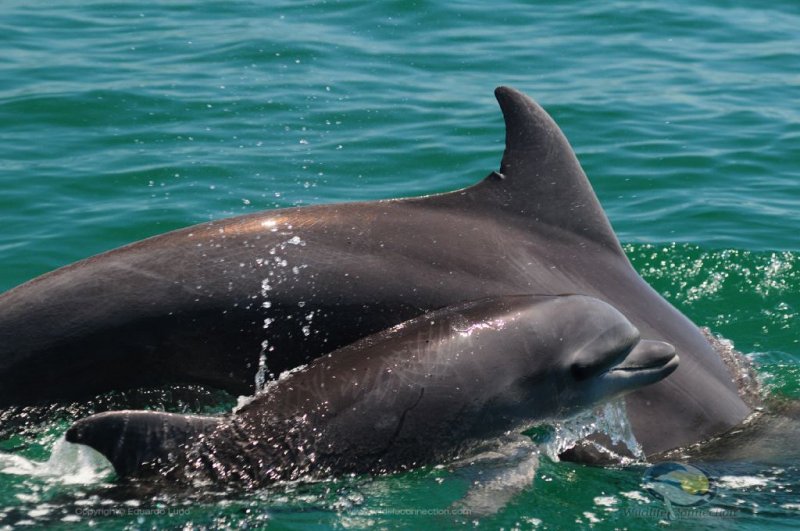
(636, 495)
(742, 482)
(68, 463)
(605, 501)
(593, 519)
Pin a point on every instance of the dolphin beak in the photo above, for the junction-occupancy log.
(648, 355)
(649, 362)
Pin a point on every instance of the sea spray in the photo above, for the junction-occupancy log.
(610, 419)
(68, 464)
(274, 278)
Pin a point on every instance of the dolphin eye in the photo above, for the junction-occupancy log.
(582, 371)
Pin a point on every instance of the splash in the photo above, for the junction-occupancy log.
(243, 400)
(610, 419)
(688, 274)
(739, 366)
(279, 269)
(262, 372)
(70, 464)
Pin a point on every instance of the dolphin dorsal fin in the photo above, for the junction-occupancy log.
(540, 178)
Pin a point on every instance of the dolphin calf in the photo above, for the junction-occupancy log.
(217, 303)
(419, 393)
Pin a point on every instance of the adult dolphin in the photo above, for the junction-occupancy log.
(419, 393)
(202, 304)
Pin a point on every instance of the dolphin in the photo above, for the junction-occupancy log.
(217, 303)
(422, 392)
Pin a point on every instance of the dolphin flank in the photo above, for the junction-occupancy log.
(419, 393)
(208, 303)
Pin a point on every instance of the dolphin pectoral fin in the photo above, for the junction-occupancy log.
(133, 439)
(498, 475)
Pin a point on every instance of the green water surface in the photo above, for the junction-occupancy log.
(121, 120)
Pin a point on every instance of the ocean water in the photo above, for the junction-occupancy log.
(121, 120)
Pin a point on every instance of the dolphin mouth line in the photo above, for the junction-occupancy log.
(655, 366)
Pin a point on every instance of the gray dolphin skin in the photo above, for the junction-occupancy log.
(202, 304)
(419, 393)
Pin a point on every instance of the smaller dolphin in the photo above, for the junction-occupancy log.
(422, 392)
